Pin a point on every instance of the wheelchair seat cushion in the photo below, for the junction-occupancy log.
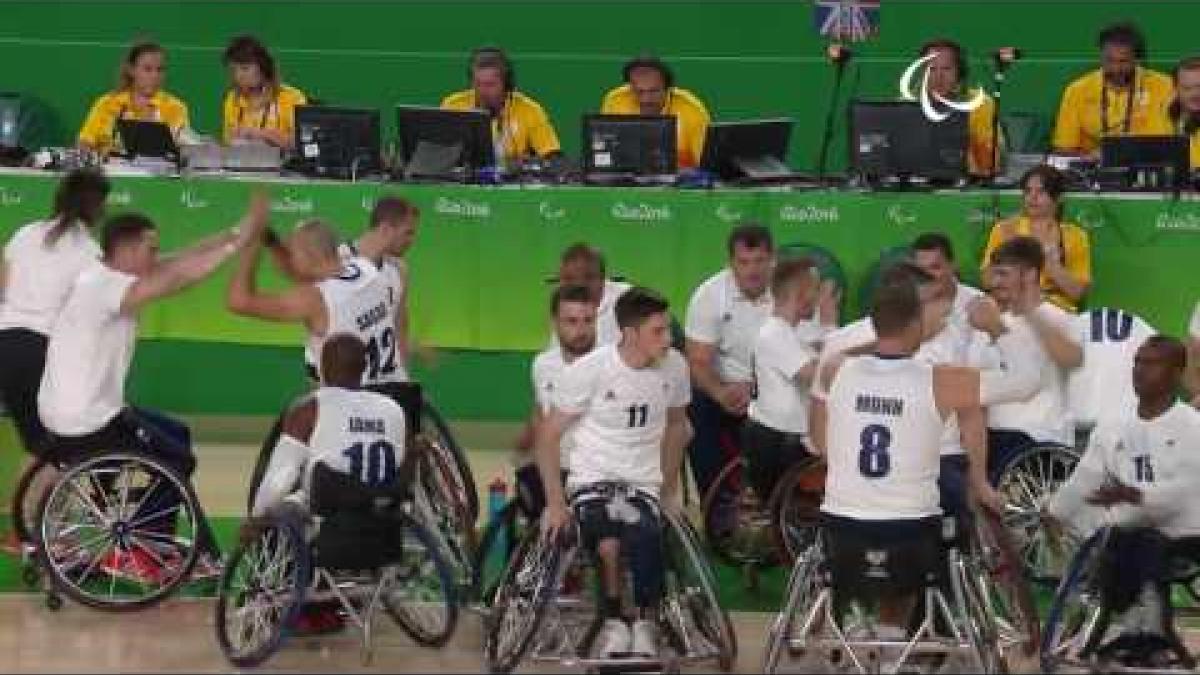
(871, 559)
(358, 541)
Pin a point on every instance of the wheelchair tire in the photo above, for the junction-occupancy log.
(1065, 620)
(1001, 581)
(1025, 482)
(280, 548)
(443, 510)
(802, 588)
(523, 596)
(424, 564)
(980, 627)
(434, 427)
(738, 536)
(27, 496)
(81, 491)
(795, 507)
(700, 593)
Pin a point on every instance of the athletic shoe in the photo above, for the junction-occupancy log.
(614, 638)
(645, 638)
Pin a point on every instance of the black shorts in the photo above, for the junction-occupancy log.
(881, 558)
(605, 516)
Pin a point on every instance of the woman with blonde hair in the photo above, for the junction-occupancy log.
(139, 96)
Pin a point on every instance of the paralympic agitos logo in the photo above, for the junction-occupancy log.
(927, 97)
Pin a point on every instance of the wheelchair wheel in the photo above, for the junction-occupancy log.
(521, 601)
(435, 429)
(441, 508)
(261, 592)
(1075, 611)
(737, 523)
(33, 485)
(1026, 482)
(978, 622)
(118, 531)
(802, 589)
(691, 597)
(1002, 584)
(423, 600)
(795, 506)
(490, 560)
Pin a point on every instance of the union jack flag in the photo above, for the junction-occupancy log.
(853, 20)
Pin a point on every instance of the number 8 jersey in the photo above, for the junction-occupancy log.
(883, 440)
(360, 301)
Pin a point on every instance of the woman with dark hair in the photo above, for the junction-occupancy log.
(139, 96)
(1068, 271)
(258, 107)
(41, 261)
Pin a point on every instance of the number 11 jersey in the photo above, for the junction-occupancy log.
(883, 440)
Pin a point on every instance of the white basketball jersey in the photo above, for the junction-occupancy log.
(358, 432)
(359, 302)
(1103, 385)
(883, 437)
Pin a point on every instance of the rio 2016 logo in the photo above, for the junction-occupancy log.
(927, 97)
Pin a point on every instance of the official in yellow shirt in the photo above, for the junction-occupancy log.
(1121, 98)
(650, 89)
(1067, 274)
(1185, 110)
(257, 107)
(520, 126)
(139, 96)
(947, 70)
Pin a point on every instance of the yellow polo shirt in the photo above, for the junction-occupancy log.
(980, 143)
(1076, 252)
(691, 115)
(280, 113)
(100, 127)
(1080, 118)
(527, 129)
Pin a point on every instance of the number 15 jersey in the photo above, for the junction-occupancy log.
(623, 414)
(883, 440)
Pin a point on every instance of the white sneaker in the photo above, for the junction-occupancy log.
(645, 638)
(614, 638)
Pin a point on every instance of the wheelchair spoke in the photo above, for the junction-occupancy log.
(85, 500)
(159, 515)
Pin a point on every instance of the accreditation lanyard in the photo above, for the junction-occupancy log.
(1127, 123)
(263, 119)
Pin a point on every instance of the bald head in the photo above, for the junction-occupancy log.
(313, 247)
(343, 361)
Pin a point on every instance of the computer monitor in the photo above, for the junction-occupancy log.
(337, 142)
(629, 145)
(145, 138)
(747, 149)
(894, 139)
(440, 143)
(1152, 161)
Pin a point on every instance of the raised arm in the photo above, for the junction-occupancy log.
(299, 303)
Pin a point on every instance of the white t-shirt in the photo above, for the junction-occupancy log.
(779, 401)
(1194, 326)
(357, 432)
(720, 315)
(884, 431)
(607, 330)
(1160, 456)
(623, 414)
(90, 349)
(548, 369)
(1104, 383)
(359, 301)
(395, 273)
(1044, 416)
(40, 276)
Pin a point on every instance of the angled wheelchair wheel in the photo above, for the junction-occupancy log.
(521, 602)
(737, 522)
(691, 597)
(440, 506)
(435, 429)
(37, 479)
(1003, 585)
(261, 592)
(423, 598)
(803, 586)
(118, 531)
(1026, 483)
(496, 547)
(795, 506)
(1075, 611)
(978, 622)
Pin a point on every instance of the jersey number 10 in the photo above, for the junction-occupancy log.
(379, 467)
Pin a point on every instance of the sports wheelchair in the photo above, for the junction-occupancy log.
(1079, 619)
(980, 612)
(540, 610)
(359, 545)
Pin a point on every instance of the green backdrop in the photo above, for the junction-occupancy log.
(482, 257)
(745, 58)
